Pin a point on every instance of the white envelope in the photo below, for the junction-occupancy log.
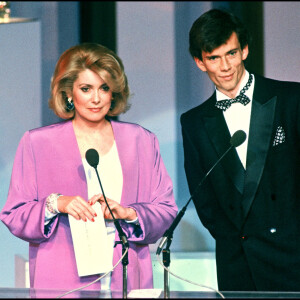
(91, 244)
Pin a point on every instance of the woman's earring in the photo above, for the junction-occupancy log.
(69, 104)
(112, 105)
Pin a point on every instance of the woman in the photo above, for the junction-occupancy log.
(52, 182)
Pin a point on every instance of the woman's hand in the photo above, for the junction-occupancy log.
(119, 212)
(77, 207)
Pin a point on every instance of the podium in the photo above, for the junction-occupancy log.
(44, 293)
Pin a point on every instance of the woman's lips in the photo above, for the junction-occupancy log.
(95, 109)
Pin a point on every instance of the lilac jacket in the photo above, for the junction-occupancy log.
(48, 161)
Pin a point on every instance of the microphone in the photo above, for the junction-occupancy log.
(236, 140)
(92, 158)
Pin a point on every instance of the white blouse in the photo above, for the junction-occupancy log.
(111, 176)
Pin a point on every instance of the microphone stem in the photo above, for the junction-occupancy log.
(169, 232)
(122, 235)
(200, 183)
(104, 195)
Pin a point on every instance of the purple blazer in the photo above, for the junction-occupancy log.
(48, 161)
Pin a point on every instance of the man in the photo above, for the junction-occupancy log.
(250, 202)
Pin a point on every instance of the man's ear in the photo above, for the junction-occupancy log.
(245, 52)
(200, 64)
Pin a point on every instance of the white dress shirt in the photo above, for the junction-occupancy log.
(237, 116)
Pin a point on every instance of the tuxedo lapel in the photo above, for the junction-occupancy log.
(219, 135)
(261, 124)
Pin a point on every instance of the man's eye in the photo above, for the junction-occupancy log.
(213, 58)
(232, 53)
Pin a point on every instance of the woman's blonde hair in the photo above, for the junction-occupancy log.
(97, 58)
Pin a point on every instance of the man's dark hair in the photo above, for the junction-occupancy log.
(213, 29)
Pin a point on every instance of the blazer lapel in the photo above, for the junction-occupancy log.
(128, 159)
(261, 124)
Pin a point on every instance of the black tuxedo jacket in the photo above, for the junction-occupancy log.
(253, 214)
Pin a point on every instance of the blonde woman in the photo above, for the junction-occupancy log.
(51, 179)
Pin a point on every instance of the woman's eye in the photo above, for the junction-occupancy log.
(85, 89)
(105, 87)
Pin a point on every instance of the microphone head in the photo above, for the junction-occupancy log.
(238, 138)
(92, 157)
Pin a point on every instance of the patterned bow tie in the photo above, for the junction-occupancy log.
(242, 98)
